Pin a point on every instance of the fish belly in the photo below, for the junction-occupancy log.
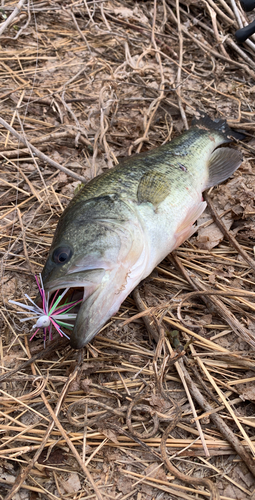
(168, 227)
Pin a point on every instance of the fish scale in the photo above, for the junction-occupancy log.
(124, 222)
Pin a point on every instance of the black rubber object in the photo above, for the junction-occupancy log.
(244, 33)
(247, 5)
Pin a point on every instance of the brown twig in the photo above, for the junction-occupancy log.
(216, 303)
(57, 343)
(163, 448)
(42, 156)
(179, 71)
(29, 263)
(220, 423)
(23, 475)
(227, 233)
(12, 16)
(72, 447)
(146, 434)
(148, 320)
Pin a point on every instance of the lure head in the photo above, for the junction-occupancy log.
(42, 322)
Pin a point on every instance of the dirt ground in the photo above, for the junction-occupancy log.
(161, 404)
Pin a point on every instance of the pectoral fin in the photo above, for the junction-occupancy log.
(153, 188)
(222, 164)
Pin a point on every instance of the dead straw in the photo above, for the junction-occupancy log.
(86, 85)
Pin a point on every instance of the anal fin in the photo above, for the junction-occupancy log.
(186, 228)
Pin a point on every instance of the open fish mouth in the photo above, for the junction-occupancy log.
(70, 294)
(72, 297)
(83, 279)
(77, 286)
(73, 290)
(76, 326)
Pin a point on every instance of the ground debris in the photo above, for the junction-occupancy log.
(88, 84)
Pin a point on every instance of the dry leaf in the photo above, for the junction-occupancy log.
(73, 484)
(210, 236)
(110, 435)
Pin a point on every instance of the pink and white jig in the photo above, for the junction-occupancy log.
(51, 315)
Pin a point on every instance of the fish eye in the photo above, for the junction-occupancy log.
(61, 255)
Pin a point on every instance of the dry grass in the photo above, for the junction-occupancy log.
(87, 83)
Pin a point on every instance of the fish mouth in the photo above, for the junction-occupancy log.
(95, 299)
(85, 281)
(65, 304)
(73, 296)
(74, 292)
(78, 329)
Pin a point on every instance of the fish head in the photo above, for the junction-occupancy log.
(101, 257)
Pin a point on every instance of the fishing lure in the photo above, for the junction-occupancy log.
(51, 315)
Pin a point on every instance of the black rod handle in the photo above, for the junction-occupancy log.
(244, 33)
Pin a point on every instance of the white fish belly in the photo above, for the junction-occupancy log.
(168, 226)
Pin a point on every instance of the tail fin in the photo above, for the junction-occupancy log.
(218, 124)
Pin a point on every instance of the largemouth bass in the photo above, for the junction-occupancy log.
(127, 220)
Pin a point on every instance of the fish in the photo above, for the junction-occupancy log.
(124, 222)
